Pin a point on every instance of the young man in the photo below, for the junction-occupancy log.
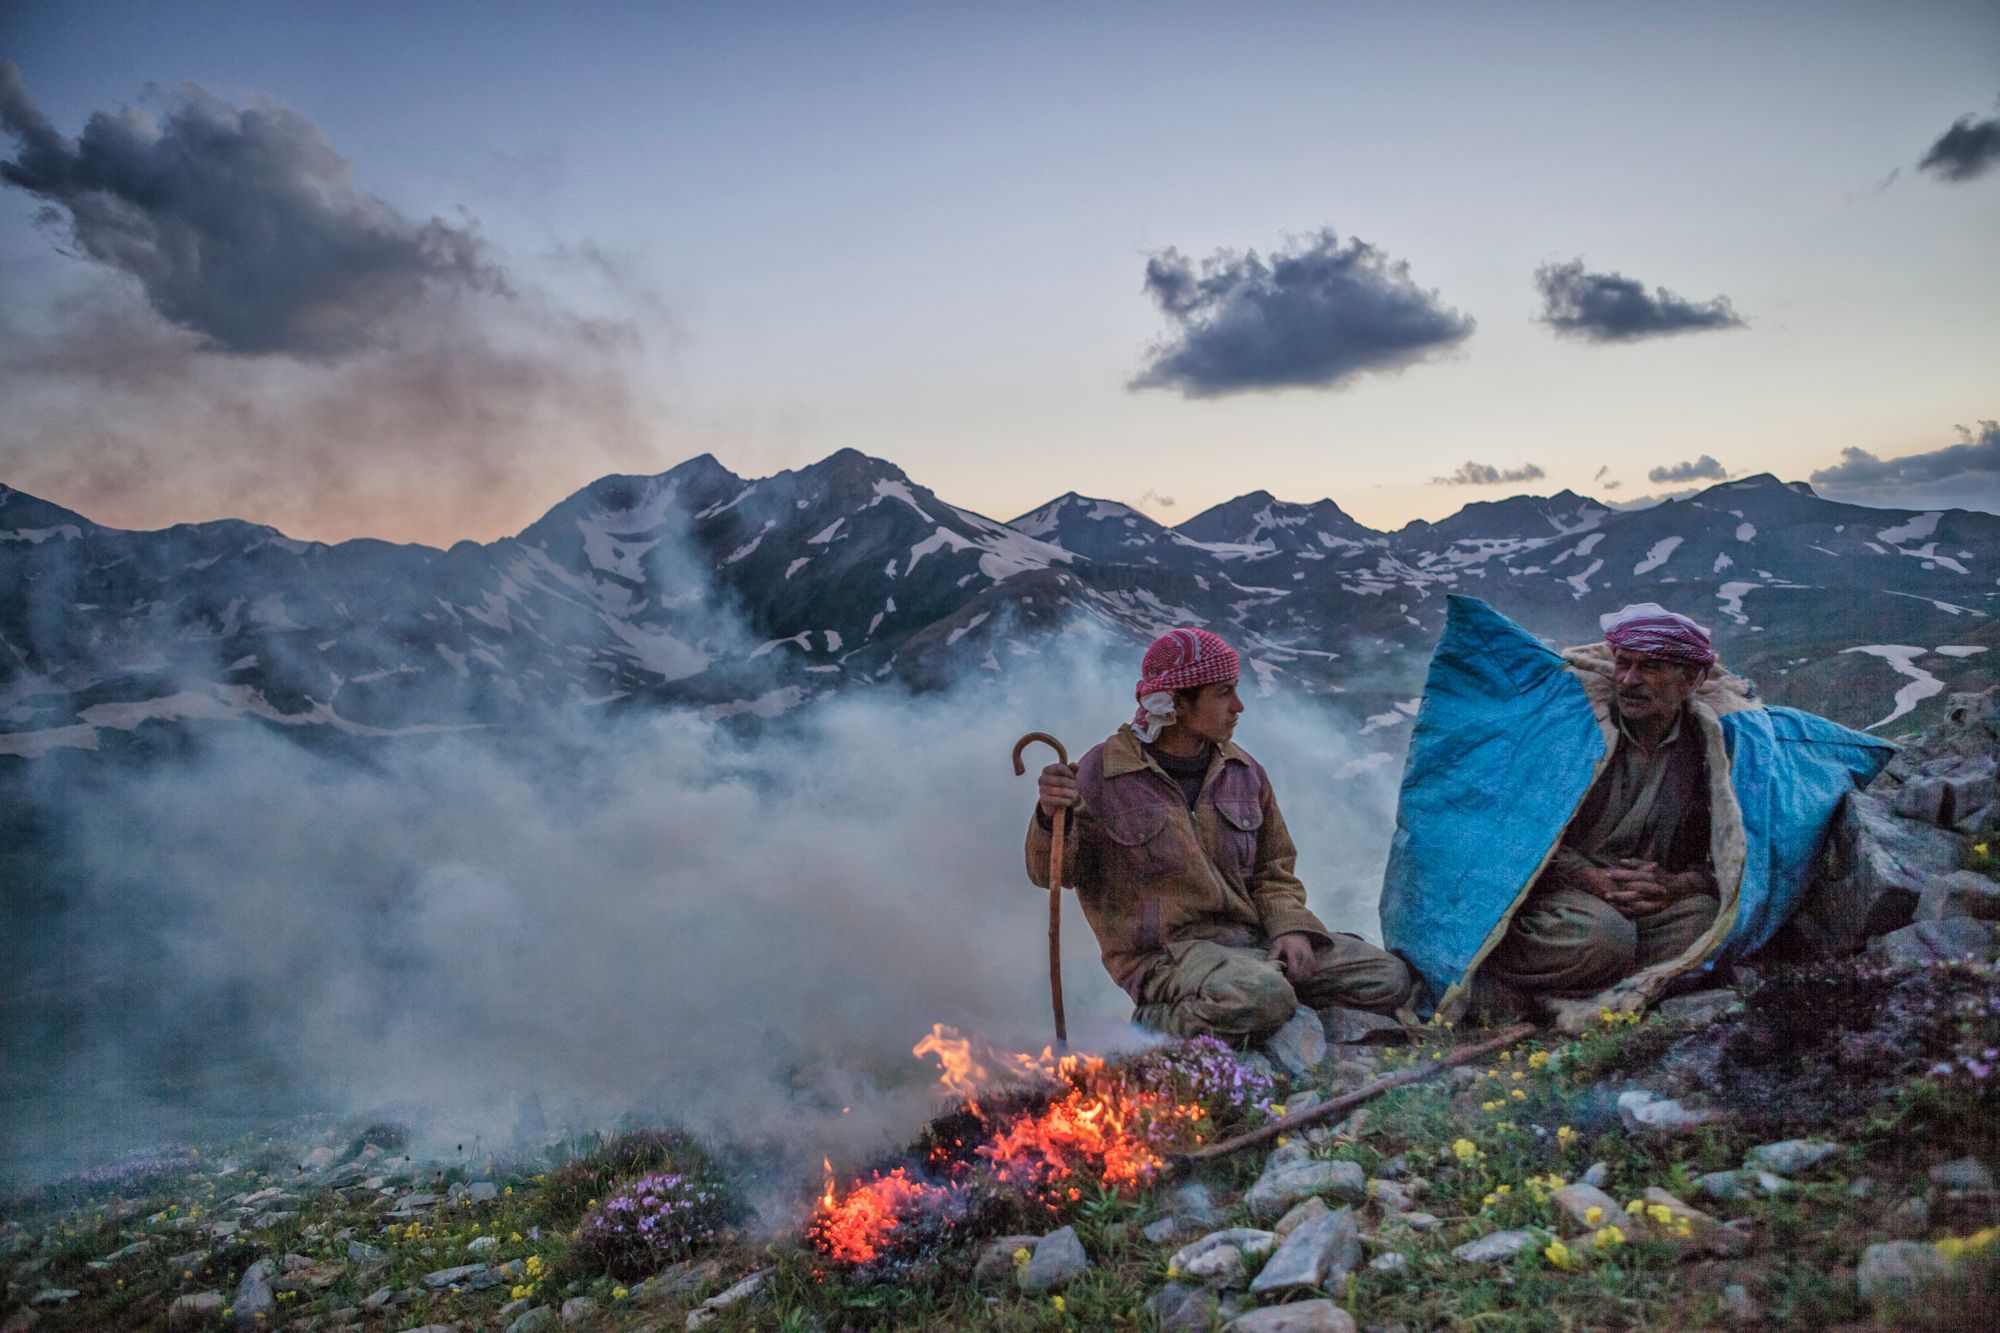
(1184, 865)
(1631, 883)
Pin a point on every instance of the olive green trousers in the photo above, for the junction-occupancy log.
(1565, 942)
(1236, 994)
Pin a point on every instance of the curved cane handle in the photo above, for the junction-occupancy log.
(1062, 755)
(1060, 820)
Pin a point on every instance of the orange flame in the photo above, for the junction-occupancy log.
(853, 1229)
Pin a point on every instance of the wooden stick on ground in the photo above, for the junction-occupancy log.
(1366, 1093)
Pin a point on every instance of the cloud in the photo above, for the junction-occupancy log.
(1964, 151)
(1700, 468)
(1316, 315)
(1975, 456)
(243, 225)
(1154, 498)
(1485, 474)
(1603, 473)
(254, 335)
(1610, 307)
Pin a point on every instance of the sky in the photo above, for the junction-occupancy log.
(419, 272)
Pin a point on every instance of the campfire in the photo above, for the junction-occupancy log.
(1031, 1134)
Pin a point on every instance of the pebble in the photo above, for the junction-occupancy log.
(1596, 1174)
(1393, 1261)
(711, 1309)
(1577, 1200)
(1911, 1217)
(1646, 1111)
(535, 1320)
(1058, 1258)
(253, 1294)
(1701, 1007)
(1494, 1249)
(578, 1308)
(1193, 1202)
(360, 1253)
(1219, 1256)
(1300, 1215)
(482, 1244)
(1791, 1156)
(1302, 1317)
(1963, 1173)
(1708, 1235)
(54, 1296)
(1161, 1230)
(996, 1261)
(1299, 1045)
(446, 1277)
(1183, 1309)
(1895, 1270)
(1390, 1197)
(1736, 1299)
(1284, 1183)
(197, 1310)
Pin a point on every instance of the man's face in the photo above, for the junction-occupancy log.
(1650, 690)
(1211, 715)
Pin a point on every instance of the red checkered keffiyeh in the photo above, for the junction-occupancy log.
(1651, 630)
(1180, 659)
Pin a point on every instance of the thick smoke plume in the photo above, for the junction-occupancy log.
(646, 913)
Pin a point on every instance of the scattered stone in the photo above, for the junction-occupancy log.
(375, 1300)
(1420, 1221)
(1894, 1271)
(1183, 1309)
(1353, 1027)
(711, 1309)
(54, 1296)
(1161, 1230)
(1646, 1111)
(1301, 1102)
(1058, 1258)
(1391, 1197)
(198, 1310)
(996, 1262)
(1887, 862)
(1707, 1234)
(1964, 1173)
(535, 1320)
(485, 1278)
(1911, 1217)
(1192, 1203)
(482, 1191)
(1391, 1261)
(1497, 1248)
(1286, 1181)
(1299, 1045)
(1864, 1188)
(1596, 1174)
(1791, 1156)
(446, 1277)
(1928, 942)
(1303, 1317)
(1701, 1007)
(1299, 1216)
(253, 1294)
(1577, 1200)
(1219, 1257)
(1961, 893)
(482, 1244)
(1736, 1299)
(1322, 1250)
(1258, 1063)
(579, 1308)
(360, 1253)
(1725, 1185)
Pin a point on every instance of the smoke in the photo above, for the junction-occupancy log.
(645, 913)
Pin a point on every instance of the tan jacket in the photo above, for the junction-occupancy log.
(1150, 872)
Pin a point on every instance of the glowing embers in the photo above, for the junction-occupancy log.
(1063, 1125)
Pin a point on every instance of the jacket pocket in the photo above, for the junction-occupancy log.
(1237, 829)
(1140, 833)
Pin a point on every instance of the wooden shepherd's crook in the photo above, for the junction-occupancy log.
(1055, 883)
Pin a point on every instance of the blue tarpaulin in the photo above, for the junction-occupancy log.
(1508, 741)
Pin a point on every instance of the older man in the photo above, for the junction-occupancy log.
(1183, 864)
(1631, 883)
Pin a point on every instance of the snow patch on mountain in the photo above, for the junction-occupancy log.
(1922, 683)
(1920, 526)
(1662, 551)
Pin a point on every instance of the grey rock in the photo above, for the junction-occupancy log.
(411, 1202)
(1299, 1103)
(1183, 1309)
(1884, 863)
(1300, 1214)
(1706, 1234)
(996, 1264)
(1161, 1229)
(1948, 792)
(482, 1244)
(1298, 1046)
(1193, 1202)
(1390, 1261)
(1596, 1174)
(711, 1309)
(253, 1294)
(482, 1191)
(446, 1277)
(1258, 1063)
(535, 1320)
(1700, 1007)
(579, 1308)
(1964, 1173)
(1727, 1185)
(1284, 1183)
(1577, 1200)
(197, 1310)
(1911, 1217)
(1737, 1301)
(1219, 1257)
(484, 1279)
(1645, 1112)
(378, 1298)
(1864, 1188)
(1961, 893)
(1391, 1197)
(54, 1296)
(1791, 1156)
(1354, 1027)
(1896, 1271)
(1927, 942)
(1420, 1221)
(1321, 1250)
(360, 1253)
(1058, 1259)
(1497, 1248)
(1301, 1317)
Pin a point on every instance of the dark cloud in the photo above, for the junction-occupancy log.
(1485, 474)
(1314, 315)
(1155, 498)
(1964, 151)
(240, 224)
(1602, 474)
(1702, 468)
(1610, 307)
(1976, 455)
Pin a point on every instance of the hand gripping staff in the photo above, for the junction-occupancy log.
(1055, 883)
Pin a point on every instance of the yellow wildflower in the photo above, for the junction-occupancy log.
(1517, 1076)
(1557, 1254)
(1058, 1304)
(1607, 1237)
(1565, 1136)
(519, 1292)
(1465, 1150)
(1683, 1228)
(1636, 1207)
(1281, 1140)
(1538, 1059)
(618, 1293)
(1518, 1095)
(1491, 1106)
(533, 1268)
(1503, 1190)
(1277, 1110)
(1593, 1216)
(1173, 1271)
(514, 1237)
(1021, 1257)
(1660, 1213)
(1492, 1199)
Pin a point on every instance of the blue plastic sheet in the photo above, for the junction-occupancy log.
(1505, 747)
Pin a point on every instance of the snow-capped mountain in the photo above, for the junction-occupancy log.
(697, 587)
